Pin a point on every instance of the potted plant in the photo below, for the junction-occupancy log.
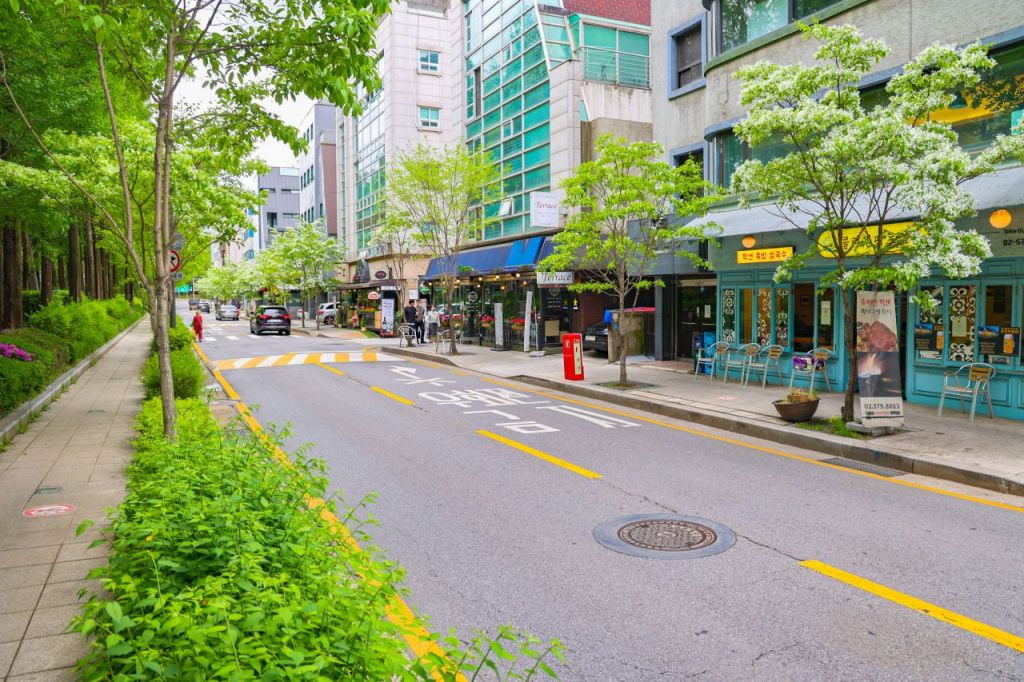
(799, 405)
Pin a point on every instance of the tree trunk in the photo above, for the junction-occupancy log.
(161, 231)
(620, 336)
(90, 260)
(74, 264)
(62, 274)
(849, 305)
(46, 286)
(29, 278)
(14, 313)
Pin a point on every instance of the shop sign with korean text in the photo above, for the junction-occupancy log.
(554, 279)
(862, 241)
(878, 359)
(775, 254)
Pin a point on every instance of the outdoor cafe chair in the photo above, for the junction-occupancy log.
(444, 340)
(810, 365)
(968, 381)
(710, 357)
(741, 358)
(406, 334)
(771, 354)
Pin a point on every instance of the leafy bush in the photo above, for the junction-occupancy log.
(87, 324)
(181, 336)
(220, 570)
(188, 374)
(21, 380)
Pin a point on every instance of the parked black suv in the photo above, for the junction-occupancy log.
(271, 318)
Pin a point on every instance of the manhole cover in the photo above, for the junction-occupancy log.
(664, 536)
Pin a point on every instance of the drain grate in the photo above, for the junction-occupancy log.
(864, 466)
(664, 536)
(47, 490)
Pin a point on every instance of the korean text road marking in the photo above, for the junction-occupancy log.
(408, 376)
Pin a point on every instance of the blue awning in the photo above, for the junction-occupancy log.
(479, 261)
(524, 253)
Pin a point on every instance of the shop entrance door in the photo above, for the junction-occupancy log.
(696, 312)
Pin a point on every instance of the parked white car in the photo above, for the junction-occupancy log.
(327, 313)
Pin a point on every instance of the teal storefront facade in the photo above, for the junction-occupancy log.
(976, 320)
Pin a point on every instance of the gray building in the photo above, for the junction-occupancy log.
(318, 186)
(281, 209)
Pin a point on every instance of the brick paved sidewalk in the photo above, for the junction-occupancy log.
(74, 454)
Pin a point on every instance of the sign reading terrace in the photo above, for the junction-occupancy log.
(554, 279)
(772, 255)
(544, 209)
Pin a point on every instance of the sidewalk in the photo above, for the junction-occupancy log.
(986, 454)
(72, 456)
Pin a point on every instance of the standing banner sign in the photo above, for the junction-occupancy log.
(878, 359)
(387, 316)
(526, 322)
(499, 326)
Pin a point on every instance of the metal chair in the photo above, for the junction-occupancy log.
(444, 340)
(740, 358)
(406, 334)
(772, 354)
(978, 376)
(711, 357)
(810, 365)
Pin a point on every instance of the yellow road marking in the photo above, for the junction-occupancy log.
(342, 357)
(252, 362)
(389, 394)
(200, 353)
(762, 448)
(282, 360)
(331, 369)
(369, 356)
(228, 389)
(996, 635)
(461, 373)
(541, 455)
(419, 640)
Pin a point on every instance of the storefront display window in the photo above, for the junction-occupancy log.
(930, 331)
(826, 318)
(782, 316)
(746, 316)
(764, 316)
(992, 332)
(729, 315)
(962, 322)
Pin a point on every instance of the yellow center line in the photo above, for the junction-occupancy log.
(762, 448)
(996, 635)
(331, 369)
(389, 394)
(540, 455)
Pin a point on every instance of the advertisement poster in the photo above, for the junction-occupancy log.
(499, 326)
(528, 320)
(878, 359)
(387, 317)
(928, 336)
(993, 340)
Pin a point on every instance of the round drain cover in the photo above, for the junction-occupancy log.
(665, 536)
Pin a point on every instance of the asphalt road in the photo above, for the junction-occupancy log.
(488, 493)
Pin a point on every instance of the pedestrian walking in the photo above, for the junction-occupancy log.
(433, 320)
(409, 313)
(197, 326)
(421, 324)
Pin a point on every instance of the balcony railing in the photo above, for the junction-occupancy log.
(618, 68)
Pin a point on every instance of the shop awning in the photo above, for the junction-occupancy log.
(524, 254)
(1001, 189)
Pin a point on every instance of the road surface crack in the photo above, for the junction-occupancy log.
(774, 651)
(766, 546)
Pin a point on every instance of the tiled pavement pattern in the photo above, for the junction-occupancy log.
(80, 445)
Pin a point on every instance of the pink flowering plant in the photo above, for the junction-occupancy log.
(9, 350)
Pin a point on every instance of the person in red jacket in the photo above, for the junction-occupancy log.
(197, 326)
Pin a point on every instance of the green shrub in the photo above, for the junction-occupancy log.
(36, 341)
(188, 374)
(87, 324)
(31, 300)
(20, 380)
(53, 318)
(181, 336)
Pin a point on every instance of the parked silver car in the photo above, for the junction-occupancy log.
(227, 311)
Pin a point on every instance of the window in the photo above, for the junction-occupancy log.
(814, 315)
(430, 117)
(430, 61)
(271, 219)
(687, 57)
(741, 21)
(993, 344)
(731, 152)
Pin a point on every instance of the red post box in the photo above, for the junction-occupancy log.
(572, 356)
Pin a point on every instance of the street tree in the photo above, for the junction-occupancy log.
(224, 282)
(397, 241)
(310, 256)
(624, 199)
(439, 194)
(247, 52)
(848, 168)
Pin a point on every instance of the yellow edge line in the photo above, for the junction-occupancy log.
(541, 455)
(330, 369)
(200, 353)
(762, 448)
(416, 636)
(937, 612)
(389, 394)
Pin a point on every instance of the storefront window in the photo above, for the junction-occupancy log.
(746, 315)
(962, 320)
(826, 318)
(930, 332)
(993, 347)
(782, 316)
(764, 316)
(803, 317)
(729, 315)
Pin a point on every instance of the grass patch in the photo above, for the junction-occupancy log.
(629, 386)
(834, 425)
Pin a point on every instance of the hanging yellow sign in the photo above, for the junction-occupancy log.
(772, 255)
(862, 241)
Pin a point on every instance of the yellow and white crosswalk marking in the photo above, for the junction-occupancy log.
(289, 359)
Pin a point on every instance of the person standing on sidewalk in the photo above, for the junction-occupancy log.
(421, 324)
(433, 320)
(197, 326)
(409, 313)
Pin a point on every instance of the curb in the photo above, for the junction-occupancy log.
(23, 415)
(832, 445)
(438, 358)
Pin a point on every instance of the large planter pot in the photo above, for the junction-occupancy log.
(796, 412)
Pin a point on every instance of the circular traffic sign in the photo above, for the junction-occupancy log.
(175, 261)
(49, 510)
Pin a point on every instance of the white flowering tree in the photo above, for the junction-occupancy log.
(849, 168)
